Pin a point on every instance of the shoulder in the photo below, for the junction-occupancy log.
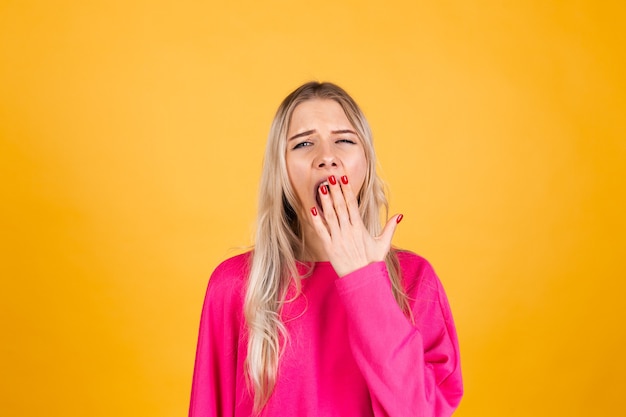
(229, 277)
(412, 263)
(232, 268)
(419, 278)
(416, 270)
(222, 310)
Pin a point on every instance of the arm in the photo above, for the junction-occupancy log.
(214, 377)
(411, 370)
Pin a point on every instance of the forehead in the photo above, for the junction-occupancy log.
(318, 113)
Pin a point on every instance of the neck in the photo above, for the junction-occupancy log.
(313, 249)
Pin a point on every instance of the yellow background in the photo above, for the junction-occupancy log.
(131, 138)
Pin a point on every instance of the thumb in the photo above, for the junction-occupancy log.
(390, 229)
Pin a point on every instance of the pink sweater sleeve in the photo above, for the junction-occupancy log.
(411, 370)
(213, 392)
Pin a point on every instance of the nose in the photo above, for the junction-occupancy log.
(326, 158)
(327, 162)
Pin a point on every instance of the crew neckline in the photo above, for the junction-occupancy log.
(316, 263)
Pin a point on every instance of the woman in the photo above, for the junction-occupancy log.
(323, 317)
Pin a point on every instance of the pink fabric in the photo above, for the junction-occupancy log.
(351, 351)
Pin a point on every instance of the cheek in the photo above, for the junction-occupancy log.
(297, 179)
(292, 170)
(358, 172)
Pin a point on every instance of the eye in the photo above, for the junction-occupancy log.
(350, 141)
(302, 144)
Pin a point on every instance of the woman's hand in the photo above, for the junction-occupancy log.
(347, 242)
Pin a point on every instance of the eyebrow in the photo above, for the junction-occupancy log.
(344, 131)
(299, 135)
(310, 132)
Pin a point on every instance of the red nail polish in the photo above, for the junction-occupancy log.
(332, 180)
(399, 218)
(344, 179)
(314, 211)
(324, 189)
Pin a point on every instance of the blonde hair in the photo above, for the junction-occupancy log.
(279, 239)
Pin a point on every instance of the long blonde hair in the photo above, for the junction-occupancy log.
(279, 239)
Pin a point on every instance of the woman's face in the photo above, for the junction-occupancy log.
(322, 142)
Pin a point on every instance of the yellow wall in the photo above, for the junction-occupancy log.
(131, 135)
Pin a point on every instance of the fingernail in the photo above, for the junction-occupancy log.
(324, 189)
(332, 180)
(344, 179)
(314, 211)
(399, 218)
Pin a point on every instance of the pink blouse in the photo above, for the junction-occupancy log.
(351, 351)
